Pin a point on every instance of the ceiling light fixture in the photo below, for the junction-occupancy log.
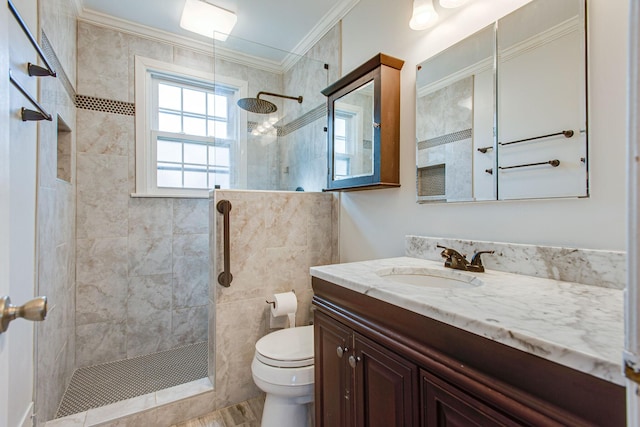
(424, 15)
(450, 4)
(208, 20)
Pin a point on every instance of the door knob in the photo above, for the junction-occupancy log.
(34, 310)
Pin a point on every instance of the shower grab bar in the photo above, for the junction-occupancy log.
(26, 114)
(225, 278)
(33, 69)
(555, 163)
(566, 133)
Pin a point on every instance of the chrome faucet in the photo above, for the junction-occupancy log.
(454, 259)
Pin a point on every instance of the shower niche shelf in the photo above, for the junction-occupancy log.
(364, 126)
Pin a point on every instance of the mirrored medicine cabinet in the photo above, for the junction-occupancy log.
(502, 114)
(364, 126)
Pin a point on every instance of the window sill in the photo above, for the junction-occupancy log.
(171, 195)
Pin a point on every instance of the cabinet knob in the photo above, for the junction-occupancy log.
(353, 361)
(341, 350)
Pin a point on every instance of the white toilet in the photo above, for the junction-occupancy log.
(283, 368)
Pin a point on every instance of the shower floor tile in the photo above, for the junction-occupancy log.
(99, 385)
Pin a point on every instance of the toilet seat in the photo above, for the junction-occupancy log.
(287, 348)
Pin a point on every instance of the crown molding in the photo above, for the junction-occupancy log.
(327, 22)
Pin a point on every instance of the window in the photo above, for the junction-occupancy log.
(342, 137)
(188, 137)
(347, 137)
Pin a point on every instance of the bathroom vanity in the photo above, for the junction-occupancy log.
(406, 342)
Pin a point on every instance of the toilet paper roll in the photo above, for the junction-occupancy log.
(285, 304)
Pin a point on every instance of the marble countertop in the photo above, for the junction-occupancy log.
(572, 324)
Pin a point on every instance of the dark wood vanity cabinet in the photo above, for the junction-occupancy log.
(379, 365)
(361, 383)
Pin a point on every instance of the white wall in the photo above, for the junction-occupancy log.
(374, 223)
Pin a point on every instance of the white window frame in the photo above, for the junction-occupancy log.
(354, 116)
(146, 165)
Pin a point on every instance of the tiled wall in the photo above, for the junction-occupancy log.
(142, 272)
(56, 201)
(275, 238)
(263, 160)
(303, 151)
(442, 138)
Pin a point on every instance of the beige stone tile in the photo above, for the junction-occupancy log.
(104, 133)
(147, 48)
(192, 59)
(101, 215)
(149, 256)
(101, 259)
(103, 174)
(99, 343)
(191, 216)
(189, 325)
(148, 333)
(103, 63)
(101, 301)
(286, 218)
(150, 217)
(190, 270)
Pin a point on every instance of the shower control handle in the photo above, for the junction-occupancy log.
(34, 310)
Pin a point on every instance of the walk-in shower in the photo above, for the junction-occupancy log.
(139, 329)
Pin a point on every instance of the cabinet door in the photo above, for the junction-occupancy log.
(446, 405)
(386, 387)
(333, 379)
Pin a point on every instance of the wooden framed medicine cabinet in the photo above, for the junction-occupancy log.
(364, 126)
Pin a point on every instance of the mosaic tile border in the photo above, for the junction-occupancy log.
(296, 124)
(57, 65)
(105, 105)
(445, 139)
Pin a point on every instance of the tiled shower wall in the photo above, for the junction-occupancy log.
(275, 237)
(56, 246)
(303, 151)
(142, 271)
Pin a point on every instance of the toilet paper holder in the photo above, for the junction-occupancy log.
(273, 303)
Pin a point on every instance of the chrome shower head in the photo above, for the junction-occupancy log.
(261, 106)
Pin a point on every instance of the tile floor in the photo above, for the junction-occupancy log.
(107, 383)
(245, 414)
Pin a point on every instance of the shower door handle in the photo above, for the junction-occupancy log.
(225, 278)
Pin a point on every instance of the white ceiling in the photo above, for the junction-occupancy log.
(288, 25)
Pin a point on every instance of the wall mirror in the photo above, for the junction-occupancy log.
(502, 114)
(353, 134)
(364, 126)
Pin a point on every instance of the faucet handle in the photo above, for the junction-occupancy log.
(476, 260)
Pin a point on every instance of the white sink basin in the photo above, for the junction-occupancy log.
(430, 278)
